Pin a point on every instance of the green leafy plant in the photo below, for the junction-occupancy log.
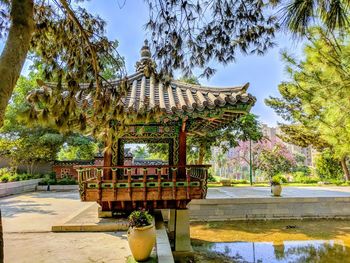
(225, 182)
(50, 179)
(281, 178)
(140, 218)
(305, 178)
(276, 180)
(211, 177)
(8, 175)
(67, 181)
(5, 178)
(242, 181)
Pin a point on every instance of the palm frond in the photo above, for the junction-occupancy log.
(298, 15)
(334, 13)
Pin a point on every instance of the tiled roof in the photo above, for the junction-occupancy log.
(140, 162)
(73, 162)
(209, 107)
(147, 94)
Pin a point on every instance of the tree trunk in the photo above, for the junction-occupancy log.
(201, 154)
(15, 51)
(345, 169)
(32, 167)
(12, 59)
(1, 242)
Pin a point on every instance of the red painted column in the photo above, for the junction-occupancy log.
(182, 152)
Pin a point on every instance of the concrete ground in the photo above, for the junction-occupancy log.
(27, 221)
(263, 192)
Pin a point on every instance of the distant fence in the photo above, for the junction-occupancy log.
(19, 187)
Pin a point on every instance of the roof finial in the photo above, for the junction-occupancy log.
(146, 58)
(145, 51)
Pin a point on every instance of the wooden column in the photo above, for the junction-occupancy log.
(107, 161)
(182, 150)
(106, 207)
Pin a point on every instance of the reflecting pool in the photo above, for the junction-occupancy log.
(272, 241)
(288, 251)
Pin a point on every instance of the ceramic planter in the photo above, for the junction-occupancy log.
(276, 190)
(141, 241)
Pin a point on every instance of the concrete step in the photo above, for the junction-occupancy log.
(87, 220)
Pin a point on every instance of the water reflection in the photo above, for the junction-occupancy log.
(286, 251)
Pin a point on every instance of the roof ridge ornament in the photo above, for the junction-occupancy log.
(145, 51)
(146, 63)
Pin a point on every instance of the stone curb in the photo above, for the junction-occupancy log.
(19, 187)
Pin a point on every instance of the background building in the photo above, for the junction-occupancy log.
(224, 164)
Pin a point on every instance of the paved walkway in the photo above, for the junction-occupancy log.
(263, 192)
(27, 221)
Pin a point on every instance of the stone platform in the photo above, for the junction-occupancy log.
(256, 203)
(287, 192)
(86, 220)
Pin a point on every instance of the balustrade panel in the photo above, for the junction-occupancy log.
(156, 184)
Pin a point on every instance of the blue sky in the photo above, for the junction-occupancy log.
(264, 73)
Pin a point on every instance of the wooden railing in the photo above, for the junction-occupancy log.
(142, 183)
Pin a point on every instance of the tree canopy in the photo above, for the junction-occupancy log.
(26, 145)
(72, 47)
(299, 15)
(78, 147)
(316, 99)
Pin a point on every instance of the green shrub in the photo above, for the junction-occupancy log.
(14, 178)
(50, 179)
(334, 181)
(66, 181)
(6, 175)
(47, 181)
(279, 177)
(225, 182)
(327, 167)
(304, 178)
(303, 169)
(51, 175)
(310, 181)
(211, 178)
(5, 178)
(242, 181)
(4, 171)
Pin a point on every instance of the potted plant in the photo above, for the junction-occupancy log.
(276, 187)
(141, 234)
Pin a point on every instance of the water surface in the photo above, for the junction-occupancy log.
(272, 241)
